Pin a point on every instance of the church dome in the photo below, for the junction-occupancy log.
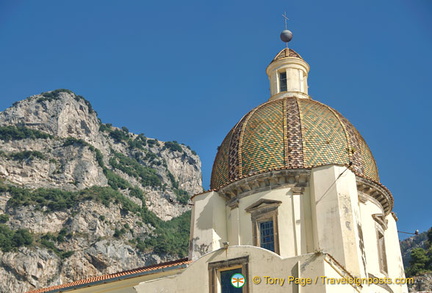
(291, 133)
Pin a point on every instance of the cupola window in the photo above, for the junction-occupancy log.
(283, 82)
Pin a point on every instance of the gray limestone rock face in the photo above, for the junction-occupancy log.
(422, 283)
(63, 115)
(26, 268)
(70, 150)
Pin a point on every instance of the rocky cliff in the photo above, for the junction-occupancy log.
(80, 198)
(416, 254)
(408, 244)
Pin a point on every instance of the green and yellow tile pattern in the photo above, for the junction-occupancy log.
(291, 133)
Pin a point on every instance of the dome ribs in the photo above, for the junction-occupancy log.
(294, 146)
(234, 152)
(291, 133)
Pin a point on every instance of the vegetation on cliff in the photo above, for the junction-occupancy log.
(12, 239)
(170, 237)
(8, 133)
(421, 258)
(76, 191)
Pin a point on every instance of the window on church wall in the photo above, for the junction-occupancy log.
(266, 231)
(283, 81)
(382, 252)
(381, 226)
(231, 280)
(229, 276)
(264, 217)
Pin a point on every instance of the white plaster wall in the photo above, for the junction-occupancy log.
(307, 239)
(274, 83)
(333, 273)
(326, 216)
(233, 225)
(262, 263)
(394, 256)
(336, 215)
(209, 227)
(294, 79)
(296, 215)
(286, 225)
(297, 73)
(370, 236)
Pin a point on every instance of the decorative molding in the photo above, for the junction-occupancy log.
(263, 204)
(297, 190)
(376, 191)
(381, 220)
(234, 203)
(363, 198)
(266, 181)
(261, 211)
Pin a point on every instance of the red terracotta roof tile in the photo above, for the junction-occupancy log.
(115, 276)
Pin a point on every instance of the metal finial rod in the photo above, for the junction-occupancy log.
(285, 20)
(286, 35)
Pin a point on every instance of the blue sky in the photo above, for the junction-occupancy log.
(189, 70)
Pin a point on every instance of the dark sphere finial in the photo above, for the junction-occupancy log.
(286, 36)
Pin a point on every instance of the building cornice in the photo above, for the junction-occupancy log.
(298, 179)
(377, 192)
(266, 181)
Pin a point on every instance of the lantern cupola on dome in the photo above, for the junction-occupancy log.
(290, 131)
(288, 73)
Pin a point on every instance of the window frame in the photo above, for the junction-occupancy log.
(285, 83)
(261, 230)
(263, 211)
(215, 268)
(257, 230)
(381, 225)
(382, 254)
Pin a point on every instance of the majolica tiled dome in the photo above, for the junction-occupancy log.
(291, 133)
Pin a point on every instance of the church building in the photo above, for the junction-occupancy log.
(295, 205)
